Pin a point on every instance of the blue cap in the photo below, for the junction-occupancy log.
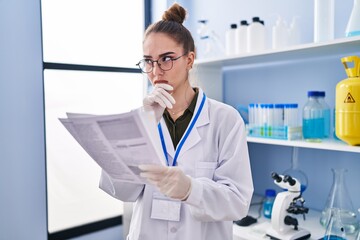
(270, 192)
(314, 94)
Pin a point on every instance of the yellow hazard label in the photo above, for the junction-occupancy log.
(349, 98)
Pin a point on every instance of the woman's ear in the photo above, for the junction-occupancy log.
(190, 59)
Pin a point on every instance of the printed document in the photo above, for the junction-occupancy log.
(118, 143)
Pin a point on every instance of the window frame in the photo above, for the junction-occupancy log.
(114, 221)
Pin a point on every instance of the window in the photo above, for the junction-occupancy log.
(90, 48)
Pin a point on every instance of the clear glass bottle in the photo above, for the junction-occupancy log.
(295, 172)
(326, 109)
(313, 118)
(209, 45)
(268, 202)
(339, 204)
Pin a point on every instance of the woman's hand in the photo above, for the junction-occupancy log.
(171, 181)
(158, 100)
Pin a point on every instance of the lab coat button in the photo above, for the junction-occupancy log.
(173, 230)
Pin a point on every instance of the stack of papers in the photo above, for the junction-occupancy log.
(118, 143)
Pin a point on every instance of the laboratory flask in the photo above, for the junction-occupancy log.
(295, 172)
(339, 204)
(335, 229)
(209, 44)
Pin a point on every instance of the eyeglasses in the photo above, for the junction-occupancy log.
(165, 63)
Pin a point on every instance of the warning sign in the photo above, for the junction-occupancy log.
(349, 99)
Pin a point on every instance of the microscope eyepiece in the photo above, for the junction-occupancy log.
(276, 177)
(290, 180)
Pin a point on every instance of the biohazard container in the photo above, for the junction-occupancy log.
(347, 108)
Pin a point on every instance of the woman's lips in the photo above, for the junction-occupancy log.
(161, 81)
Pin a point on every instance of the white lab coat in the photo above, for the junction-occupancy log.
(216, 156)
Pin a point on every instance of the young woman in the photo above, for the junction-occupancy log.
(207, 183)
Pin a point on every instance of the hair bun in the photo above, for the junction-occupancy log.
(175, 13)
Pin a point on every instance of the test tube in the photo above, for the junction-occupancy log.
(279, 114)
(270, 114)
(290, 114)
(251, 114)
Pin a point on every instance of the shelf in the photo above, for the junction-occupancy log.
(343, 47)
(333, 145)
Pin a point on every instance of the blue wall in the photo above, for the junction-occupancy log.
(283, 82)
(22, 149)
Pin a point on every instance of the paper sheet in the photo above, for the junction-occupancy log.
(118, 143)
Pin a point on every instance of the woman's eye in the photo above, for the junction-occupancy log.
(148, 61)
(166, 59)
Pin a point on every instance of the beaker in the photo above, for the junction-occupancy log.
(295, 172)
(339, 202)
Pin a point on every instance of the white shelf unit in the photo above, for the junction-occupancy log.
(334, 145)
(208, 72)
(209, 75)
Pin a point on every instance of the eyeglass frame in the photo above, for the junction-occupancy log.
(157, 61)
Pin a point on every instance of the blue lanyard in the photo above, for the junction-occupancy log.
(178, 149)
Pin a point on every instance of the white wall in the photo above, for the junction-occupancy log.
(22, 151)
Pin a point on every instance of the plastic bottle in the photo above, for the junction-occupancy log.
(324, 20)
(241, 37)
(326, 110)
(268, 202)
(280, 34)
(313, 118)
(230, 40)
(294, 32)
(353, 26)
(256, 36)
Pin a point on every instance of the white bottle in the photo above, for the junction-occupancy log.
(353, 26)
(294, 32)
(241, 38)
(280, 34)
(324, 20)
(256, 36)
(230, 40)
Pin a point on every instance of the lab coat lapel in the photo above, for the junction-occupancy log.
(194, 136)
(168, 142)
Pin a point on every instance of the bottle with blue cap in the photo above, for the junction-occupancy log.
(313, 118)
(268, 202)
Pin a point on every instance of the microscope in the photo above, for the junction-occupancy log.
(284, 226)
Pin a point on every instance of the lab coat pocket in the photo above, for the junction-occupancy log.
(205, 169)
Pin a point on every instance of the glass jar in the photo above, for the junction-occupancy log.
(313, 118)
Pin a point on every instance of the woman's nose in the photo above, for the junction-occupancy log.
(157, 69)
